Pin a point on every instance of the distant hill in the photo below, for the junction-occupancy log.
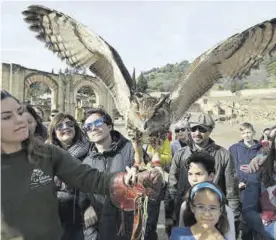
(162, 79)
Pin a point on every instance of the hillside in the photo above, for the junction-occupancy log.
(162, 79)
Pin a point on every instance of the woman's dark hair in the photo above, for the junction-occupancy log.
(33, 145)
(203, 158)
(40, 130)
(272, 130)
(40, 109)
(262, 137)
(268, 166)
(189, 218)
(102, 113)
(52, 138)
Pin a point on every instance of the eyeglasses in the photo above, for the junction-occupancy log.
(180, 130)
(63, 125)
(97, 123)
(202, 209)
(200, 129)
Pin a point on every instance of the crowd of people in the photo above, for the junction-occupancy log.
(209, 192)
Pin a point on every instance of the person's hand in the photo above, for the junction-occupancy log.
(150, 183)
(242, 185)
(256, 162)
(244, 168)
(168, 225)
(90, 217)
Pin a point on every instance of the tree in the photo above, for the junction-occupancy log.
(142, 84)
(133, 75)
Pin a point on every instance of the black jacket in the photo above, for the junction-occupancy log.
(69, 210)
(226, 178)
(120, 155)
(28, 199)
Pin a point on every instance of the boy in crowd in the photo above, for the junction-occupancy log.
(201, 168)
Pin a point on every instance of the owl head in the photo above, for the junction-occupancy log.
(148, 114)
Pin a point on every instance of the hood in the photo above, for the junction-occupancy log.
(118, 142)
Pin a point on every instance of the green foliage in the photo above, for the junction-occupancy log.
(134, 75)
(142, 83)
(163, 78)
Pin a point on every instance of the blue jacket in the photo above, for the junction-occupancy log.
(251, 206)
(242, 154)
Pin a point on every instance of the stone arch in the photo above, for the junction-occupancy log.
(93, 85)
(47, 80)
(83, 83)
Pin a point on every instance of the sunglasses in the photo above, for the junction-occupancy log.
(63, 125)
(199, 128)
(97, 123)
(180, 130)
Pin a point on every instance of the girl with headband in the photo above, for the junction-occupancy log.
(205, 215)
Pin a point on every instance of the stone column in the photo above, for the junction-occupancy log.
(54, 100)
(61, 94)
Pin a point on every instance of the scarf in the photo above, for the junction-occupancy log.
(80, 148)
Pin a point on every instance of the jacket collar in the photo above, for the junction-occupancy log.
(118, 141)
(211, 146)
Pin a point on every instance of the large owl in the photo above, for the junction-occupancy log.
(230, 59)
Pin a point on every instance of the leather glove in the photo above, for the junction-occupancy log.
(148, 183)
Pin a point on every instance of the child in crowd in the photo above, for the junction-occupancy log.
(205, 216)
(201, 167)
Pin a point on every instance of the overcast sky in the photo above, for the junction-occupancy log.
(146, 34)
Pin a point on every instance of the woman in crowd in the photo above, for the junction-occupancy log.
(205, 215)
(28, 203)
(65, 132)
(36, 127)
(259, 208)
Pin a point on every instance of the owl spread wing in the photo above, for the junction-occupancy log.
(231, 59)
(82, 48)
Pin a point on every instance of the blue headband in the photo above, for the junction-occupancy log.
(205, 185)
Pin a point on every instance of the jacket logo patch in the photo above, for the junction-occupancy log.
(39, 178)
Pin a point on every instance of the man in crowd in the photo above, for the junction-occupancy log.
(201, 126)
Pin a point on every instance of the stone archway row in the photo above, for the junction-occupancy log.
(42, 78)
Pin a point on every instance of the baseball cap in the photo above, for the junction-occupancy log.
(201, 119)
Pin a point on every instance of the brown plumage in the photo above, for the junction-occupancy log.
(230, 59)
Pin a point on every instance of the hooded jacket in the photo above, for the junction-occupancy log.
(225, 178)
(242, 155)
(119, 155)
